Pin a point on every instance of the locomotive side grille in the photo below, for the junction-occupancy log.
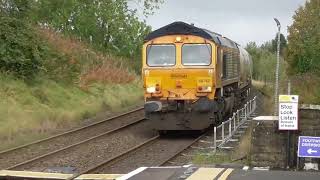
(231, 62)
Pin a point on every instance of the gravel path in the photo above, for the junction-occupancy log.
(11, 158)
(87, 155)
(151, 155)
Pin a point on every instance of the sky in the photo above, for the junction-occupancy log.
(240, 20)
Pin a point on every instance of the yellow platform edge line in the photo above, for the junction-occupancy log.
(225, 174)
(205, 174)
(99, 176)
(30, 174)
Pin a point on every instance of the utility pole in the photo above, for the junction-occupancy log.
(276, 87)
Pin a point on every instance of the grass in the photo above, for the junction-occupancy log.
(307, 86)
(211, 158)
(30, 112)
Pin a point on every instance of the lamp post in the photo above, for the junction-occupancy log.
(276, 87)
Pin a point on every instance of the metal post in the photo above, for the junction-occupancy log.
(222, 131)
(241, 114)
(276, 87)
(248, 109)
(215, 138)
(234, 121)
(230, 127)
(245, 111)
(238, 116)
(289, 136)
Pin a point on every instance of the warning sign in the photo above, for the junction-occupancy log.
(288, 112)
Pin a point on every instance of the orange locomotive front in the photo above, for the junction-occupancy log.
(182, 77)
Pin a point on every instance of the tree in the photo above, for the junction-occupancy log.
(283, 44)
(264, 61)
(21, 51)
(304, 39)
(16, 8)
(108, 25)
(272, 45)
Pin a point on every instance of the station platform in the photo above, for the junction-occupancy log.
(173, 173)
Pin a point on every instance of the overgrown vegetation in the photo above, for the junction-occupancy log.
(304, 40)
(21, 51)
(300, 62)
(33, 111)
(264, 59)
(64, 61)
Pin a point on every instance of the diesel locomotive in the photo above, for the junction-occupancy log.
(192, 77)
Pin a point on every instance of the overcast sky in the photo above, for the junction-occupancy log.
(240, 20)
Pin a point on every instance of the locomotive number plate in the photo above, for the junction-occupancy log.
(204, 81)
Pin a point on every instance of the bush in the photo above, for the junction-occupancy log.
(20, 49)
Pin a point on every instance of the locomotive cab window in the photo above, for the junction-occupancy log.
(196, 54)
(161, 55)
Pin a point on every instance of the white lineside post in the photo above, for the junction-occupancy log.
(234, 121)
(248, 107)
(230, 127)
(215, 138)
(222, 131)
(245, 111)
(252, 106)
(254, 103)
(238, 116)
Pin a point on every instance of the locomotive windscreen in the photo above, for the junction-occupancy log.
(161, 55)
(196, 54)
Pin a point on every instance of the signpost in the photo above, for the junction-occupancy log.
(309, 146)
(288, 112)
(288, 117)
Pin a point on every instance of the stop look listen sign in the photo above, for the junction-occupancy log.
(288, 112)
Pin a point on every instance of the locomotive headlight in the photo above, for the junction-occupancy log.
(151, 89)
(204, 84)
(154, 89)
(208, 89)
(178, 39)
(204, 89)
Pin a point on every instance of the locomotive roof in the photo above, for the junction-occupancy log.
(182, 28)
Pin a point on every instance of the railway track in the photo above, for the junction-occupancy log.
(157, 152)
(153, 152)
(31, 152)
(81, 156)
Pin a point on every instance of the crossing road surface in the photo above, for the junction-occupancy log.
(272, 175)
(195, 173)
(173, 173)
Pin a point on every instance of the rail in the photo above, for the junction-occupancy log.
(233, 123)
(73, 145)
(71, 131)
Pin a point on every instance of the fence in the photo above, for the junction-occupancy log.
(229, 127)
